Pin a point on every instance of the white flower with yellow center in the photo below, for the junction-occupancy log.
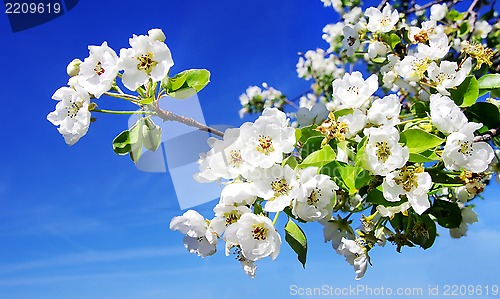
(391, 211)
(352, 91)
(356, 255)
(383, 153)
(448, 75)
(412, 68)
(446, 115)
(255, 235)
(267, 139)
(72, 113)
(413, 183)
(147, 59)
(376, 48)
(381, 21)
(277, 185)
(98, 71)
(225, 216)
(316, 198)
(423, 34)
(227, 155)
(385, 111)
(438, 47)
(356, 121)
(460, 151)
(198, 238)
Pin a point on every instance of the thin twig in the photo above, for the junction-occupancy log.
(488, 135)
(415, 9)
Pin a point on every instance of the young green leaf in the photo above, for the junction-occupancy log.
(296, 238)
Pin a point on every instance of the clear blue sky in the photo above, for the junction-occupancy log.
(81, 222)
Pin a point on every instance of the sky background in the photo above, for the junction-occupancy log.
(82, 222)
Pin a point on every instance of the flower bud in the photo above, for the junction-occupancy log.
(156, 35)
(73, 67)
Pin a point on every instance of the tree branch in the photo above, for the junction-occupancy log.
(166, 115)
(488, 135)
(414, 9)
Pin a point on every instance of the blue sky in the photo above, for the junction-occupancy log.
(82, 222)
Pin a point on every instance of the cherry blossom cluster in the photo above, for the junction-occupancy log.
(250, 160)
(147, 60)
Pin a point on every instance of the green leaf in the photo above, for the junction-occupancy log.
(495, 93)
(418, 140)
(378, 60)
(377, 197)
(121, 143)
(147, 101)
(290, 161)
(320, 157)
(489, 82)
(257, 207)
(464, 29)
(423, 230)
(425, 156)
(297, 240)
(308, 132)
(444, 178)
(311, 145)
(485, 113)
(136, 139)
(186, 83)
(342, 112)
(448, 214)
(420, 109)
(454, 15)
(349, 174)
(151, 134)
(466, 93)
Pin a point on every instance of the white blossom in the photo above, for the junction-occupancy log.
(238, 194)
(336, 229)
(412, 68)
(198, 238)
(226, 215)
(316, 197)
(468, 217)
(438, 11)
(331, 34)
(385, 111)
(482, 28)
(99, 70)
(381, 21)
(356, 255)
(72, 114)
(255, 235)
(393, 210)
(377, 48)
(445, 114)
(156, 35)
(448, 75)
(315, 115)
(412, 183)
(460, 151)
(356, 121)
(267, 139)
(352, 91)
(351, 41)
(147, 58)
(383, 153)
(277, 185)
(354, 15)
(438, 47)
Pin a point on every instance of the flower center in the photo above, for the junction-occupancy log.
(419, 66)
(259, 232)
(407, 178)
(313, 199)
(280, 187)
(265, 145)
(442, 76)
(235, 158)
(231, 217)
(351, 40)
(146, 62)
(465, 148)
(383, 151)
(99, 70)
(353, 89)
(73, 108)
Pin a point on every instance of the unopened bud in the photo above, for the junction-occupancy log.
(73, 67)
(156, 35)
